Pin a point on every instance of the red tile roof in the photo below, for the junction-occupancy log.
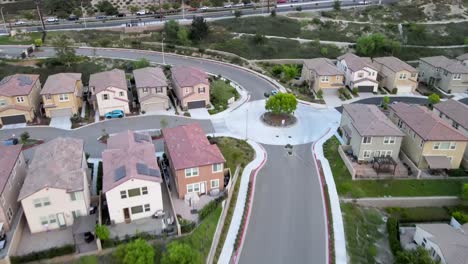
(8, 157)
(18, 84)
(186, 76)
(188, 147)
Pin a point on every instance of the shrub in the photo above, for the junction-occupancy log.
(187, 114)
(75, 118)
(464, 195)
(460, 217)
(212, 205)
(299, 8)
(24, 137)
(433, 99)
(355, 91)
(277, 70)
(393, 235)
(320, 94)
(38, 42)
(395, 90)
(102, 232)
(460, 172)
(45, 254)
(316, 20)
(186, 226)
(273, 13)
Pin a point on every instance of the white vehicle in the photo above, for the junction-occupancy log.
(363, 2)
(238, 5)
(228, 6)
(19, 22)
(52, 19)
(141, 13)
(203, 8)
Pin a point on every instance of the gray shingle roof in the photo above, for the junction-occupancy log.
(322, 66)
(463, 57)
(149, 77)
(356, 63)
(455, 110)
(370, 121)
(102, 80)
(395, 64)
(445, 63)
(61, 83)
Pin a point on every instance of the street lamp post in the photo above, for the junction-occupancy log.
(83, 13)
(162, 44)
(3, 18)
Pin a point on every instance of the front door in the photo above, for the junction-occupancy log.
(126, 212)
(61, 220)
(202, 187)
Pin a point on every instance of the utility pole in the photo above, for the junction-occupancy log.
(4, 23)
(183, 9)
(162, 45)
(83, 14)
(160, 11)
(39, 13)
(268, 6)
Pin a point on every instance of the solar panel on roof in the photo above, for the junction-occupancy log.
(120, 173)
(154, 172)
(24, 80)
(142, 169)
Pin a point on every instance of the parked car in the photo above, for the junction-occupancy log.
(114, 114)
(2, 237)
(10, 142)
(249, 5)
(281, 1)
(141, 13)
(100, 17)
(159, 16)
(363, 2)
(20, 22)
(192, 9)
(52, 19)
(88, 237)
(273, 92)
(159, 214)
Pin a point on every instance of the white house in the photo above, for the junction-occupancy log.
(131, 177)
(359, 72)
(109, 91)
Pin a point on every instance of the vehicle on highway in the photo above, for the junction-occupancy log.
(228, 6)
(238, 5)
(363, 2)
(204, 8)
(294, 1)
(192, 9)
(100, 17)
(114, 114)
(141, 13)
(121, 15)
(159, 16)
(52, 19)
(281, 1)
(249, 5)
(268, 94)
(73, 18)
(20, 22)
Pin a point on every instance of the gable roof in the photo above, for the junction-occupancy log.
(18, 84)
(149, 77)
(395, 64)
(425, 123)
(188, 147)
(370, 121)
(463, 57)
(61, 83)
(445, 63)
(322, 66)
(455, 110)
(356, 63)
(186, 76)
(113, 78)
(129, 155)
(8, 158)
(452, 242)
(56, 164)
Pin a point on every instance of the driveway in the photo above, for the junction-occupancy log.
(199, 113)
(331, 97)
(12, 126)
(62, 122)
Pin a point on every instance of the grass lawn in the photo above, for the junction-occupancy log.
(378, 188)
(220, 93)
(20, 39)
(274, 26)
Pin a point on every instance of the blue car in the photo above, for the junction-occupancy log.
(114, 114)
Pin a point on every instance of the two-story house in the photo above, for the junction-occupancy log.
(429, 141)
(451, 76)
(109, 91)
(455, 113)
(322, 73)
(396, 74)
(12, 173)
(369, 132)
(463, 59)
(196, 165)
(19, 98)
(191, 86)
(151, 85)
(131, 177)
(56, 189)
(359, 72)
(62, 94)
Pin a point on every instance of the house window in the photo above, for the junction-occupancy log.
(389, 140)
(191, 172)
(48, 97)
(134, 192)
(52, 219)
(324, 78)
(159, 89)
(402, 76)
(214, 184)
(19, 99)
(360, 75)
(147, 208)
(413, 75)
(367, 153)
(76, 214)
(2, 102)
(76, 196)
(44, 220)
(367, 140)
(194, 187)
(201, 90)
(37, 203)
(63, 97)
(388, 153)
(421, 144)
(372, 73)
(457, 76)
(45, 201)
(105, 97)
(453, 145)
(377, 153)
(217, 167)
(145, 90)
(337, 77)
(10, 214)
(123, 194)
(187, 90)
(144, 190)
(121, 94)
(137, 209)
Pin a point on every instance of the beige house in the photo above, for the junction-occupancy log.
(109, 91)
(429, 142)
(151, 85)
(449, 75)
(395, 73)
(56, 189)
(455, 113)
(191, 86)
(322, 73)
(359, 72)
(19, 98)
(62, 94)
(369, 132)
(12, 173)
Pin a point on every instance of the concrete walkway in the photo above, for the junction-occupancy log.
(83, 110)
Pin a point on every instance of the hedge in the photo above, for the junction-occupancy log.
(210, 207)
(45, 254)
(393, 235)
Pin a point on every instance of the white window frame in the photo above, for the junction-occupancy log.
(3, 200)
(37, 203)
(413, 75)
(368, 152)
(44, 220)
(144, 190)
(360, 75)
(364, 141)
(76, 214)
(324, 78)
(457, 76)
(76, 196)
(105, 97)
(123, 195)
(146, 208)
(191, 188)
(3, 102)
(52, 219)
(453, 145)
(220, 165)
(121, 94)
(402, 76)
(45, 201)
(389, 140)
(145, 90)
(63, 98)
(9, 214)
(337, 77)
(216, 185)
(191, 172)
(48, 96)
(20, 99)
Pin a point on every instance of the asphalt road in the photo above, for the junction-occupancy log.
(287, 224)
(378, 101)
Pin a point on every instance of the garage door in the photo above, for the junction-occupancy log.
(196, 104)
(154, 107)
(366, 89)
(16, 119)
(61, 112)
(404, 89)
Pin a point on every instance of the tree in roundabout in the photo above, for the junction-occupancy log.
(280, 110)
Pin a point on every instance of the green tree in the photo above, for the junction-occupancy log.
(175, 5)
(180, 253)
(171, 29)
(183, 37)
(273, 13)
(337, 5)
(136, 252)
(290, 71)
(324, 51)
(107, 7)
(433, 99)
(376, 44)
(237, 13)
(59, 8)
(24, 137)
(281, 103)
(320, 94)
(141, 63)
(28, 15)
(102, 232)
(385, 102)
(153, 8)
(466, 41)
(277, 70)
(417, 256)
(199, 29)
(259, 39)
(166, 6)
(464, 195)
(64, 52)
(38, 42)
(133, 9)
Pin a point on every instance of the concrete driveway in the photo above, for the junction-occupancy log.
(12, 126)
(199, 113)
(62, 122)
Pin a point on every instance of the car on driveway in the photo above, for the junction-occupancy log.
(114, 114)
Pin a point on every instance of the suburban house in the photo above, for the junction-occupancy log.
(196, 165)
(109, 91)
(62, 94)
(359, 72)
(463, 59)
(429, 143)
(396, 74)
(191, 86)
(131, 177)
(151, 85)
(19, 98)
(12, 173)
(447, 244)
(451, 76)
(56, 189)
(455, 113)
(369, 132)
(322, 73)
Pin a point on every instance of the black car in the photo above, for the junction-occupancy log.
(88, 237)
(121, 15)
(73, 18)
